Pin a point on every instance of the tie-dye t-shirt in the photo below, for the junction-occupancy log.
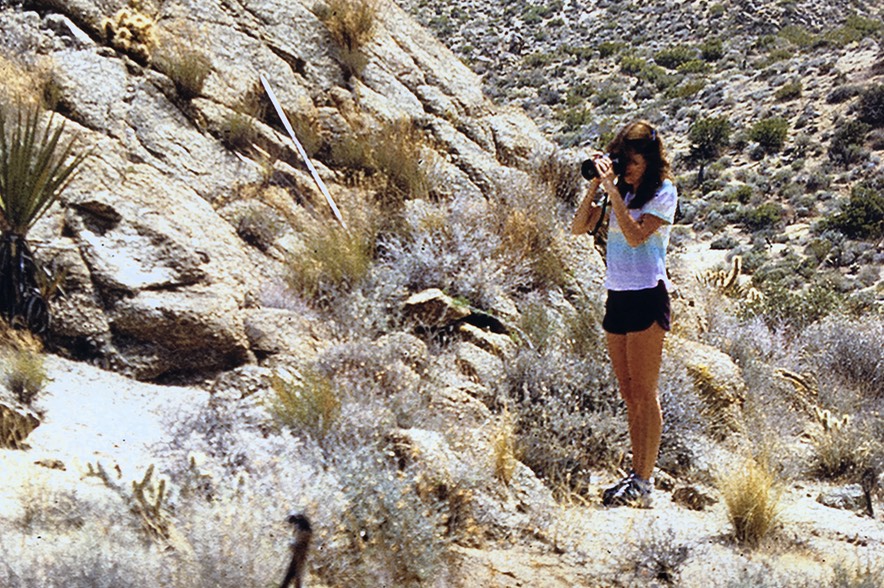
(637, 268)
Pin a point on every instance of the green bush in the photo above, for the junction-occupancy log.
(871, 105)
(766, 216)
(632, 64)
(789, 91)
(672, 57)
(708, 136)
(863, 215)
(846, 147)
(770, 134)
(694, 66)
(712, 49)
(798, 36)
(609, 48)
(793, 308)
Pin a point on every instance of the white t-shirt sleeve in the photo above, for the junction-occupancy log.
(664, 202)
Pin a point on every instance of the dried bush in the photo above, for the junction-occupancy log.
(351, 24)
(842, 446)
(869, 575)
(180, 56)
(307, 404)
(24, 374)
(505, 456)
(561, 176)
(752, 494)
(388, 534)
(333, 259)
(656, 556)
(846, 354)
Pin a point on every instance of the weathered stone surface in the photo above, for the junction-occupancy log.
(717, 380)
(478, 364)
(850, 497)
(495, 343)
(434, 308)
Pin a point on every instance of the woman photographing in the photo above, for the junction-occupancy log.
(636, 179)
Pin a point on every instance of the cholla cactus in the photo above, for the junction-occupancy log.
(130, 31)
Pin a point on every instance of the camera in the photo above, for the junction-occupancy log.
(588, 170)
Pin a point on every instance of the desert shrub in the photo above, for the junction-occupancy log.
(871, 105)
(656, 555)
(260, 227)
(529, 234)
(452, 246)
(708, 136)
(846, 147)
(561, 176)
(847, 353)
(843, 94)
(672, 57)
(712, 49)
(797, 36)
(793, 309)
(855, 28)
(575, 117)
(752, 494)
(352, 25)
(632, 64)
(180, 56)
(789, 91)
(566, 422)
(396, 151)
(388, 533)
(24, 374)
(687, 89)
(333, 260)
(859, 576)
(307, 403)
(770, 134)
(505, 455)
(862, 217)
(693, 66)
(842, 447)
(765, 216)
(609, 48)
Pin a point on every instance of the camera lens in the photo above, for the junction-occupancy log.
(588, 170)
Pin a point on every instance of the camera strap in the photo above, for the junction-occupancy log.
(601, 220)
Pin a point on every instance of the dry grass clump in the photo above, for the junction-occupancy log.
(24, 374)
(530, 233)
(656, 556)
(752, 494)
(333, 259)
(860, 576)
(352, 24)
(25, 86)
(503, 447)
(308, 404)
(843, 445)
(179, 55)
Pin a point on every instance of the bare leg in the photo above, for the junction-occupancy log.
(636, 358)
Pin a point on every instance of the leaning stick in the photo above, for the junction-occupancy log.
(304, 156)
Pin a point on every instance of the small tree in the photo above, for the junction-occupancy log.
(770, 134)
(34, 170)
(708, 137)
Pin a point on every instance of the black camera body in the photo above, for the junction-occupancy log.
(589, 171)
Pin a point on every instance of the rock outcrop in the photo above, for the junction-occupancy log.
(158, 280)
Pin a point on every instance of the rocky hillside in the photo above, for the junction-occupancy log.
(425, 377)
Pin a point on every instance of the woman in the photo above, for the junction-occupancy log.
(643, 201)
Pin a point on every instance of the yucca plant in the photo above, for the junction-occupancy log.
(35, 168)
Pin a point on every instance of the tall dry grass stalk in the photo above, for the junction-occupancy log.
(752, 495)
(503, 447)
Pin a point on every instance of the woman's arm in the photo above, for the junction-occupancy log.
(588, 212)
(636, 232)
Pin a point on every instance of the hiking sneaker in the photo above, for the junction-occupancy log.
(635, 493)
(609, 493)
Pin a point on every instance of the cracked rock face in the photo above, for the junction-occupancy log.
(156, 279)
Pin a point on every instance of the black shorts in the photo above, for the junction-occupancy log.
(630, 311)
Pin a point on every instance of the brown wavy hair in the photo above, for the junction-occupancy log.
(640, 137)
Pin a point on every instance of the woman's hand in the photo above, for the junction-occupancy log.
(605, 167)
